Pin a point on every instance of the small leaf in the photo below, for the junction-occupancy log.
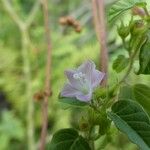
(144, 59)
(68, 139)
(130, 118)
(120, 63)
(72, 101)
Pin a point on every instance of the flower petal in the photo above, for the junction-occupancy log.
(87, 68)
(84, 98)
(97, 77)
(69, 91)
(75, 83)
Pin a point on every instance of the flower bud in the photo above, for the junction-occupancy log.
(137, 11)
(123, 30)
(138, 27)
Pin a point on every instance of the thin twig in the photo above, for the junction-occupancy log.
(48, 77)
(33, 12)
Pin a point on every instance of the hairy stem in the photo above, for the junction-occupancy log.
(48, 77)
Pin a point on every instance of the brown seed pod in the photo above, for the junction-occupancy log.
(78, 29)
(76, 24)
(63, 21)
(38, 96)
(72, 22)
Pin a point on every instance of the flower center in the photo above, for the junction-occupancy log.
(84, 88)
(79, 76)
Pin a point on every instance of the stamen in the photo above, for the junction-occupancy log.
(76, 76)
(79, 75)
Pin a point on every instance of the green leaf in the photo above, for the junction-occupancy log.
(125, 93)
(121, 6)
(141, 94)
(120, 63)
(72, 101)
(68, 139)
(130, 118)
(144, 59)
(137, 92)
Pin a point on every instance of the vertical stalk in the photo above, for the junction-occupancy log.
(48, 77)
(28, 90)
(100, 27)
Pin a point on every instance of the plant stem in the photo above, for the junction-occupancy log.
(27, 78)
(100, 27)
(48, 78)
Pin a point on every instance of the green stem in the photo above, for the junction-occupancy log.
(28, 89)
(124, 43)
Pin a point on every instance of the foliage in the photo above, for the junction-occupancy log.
(72, 101)
(137, 92)
(133, 121)
(68, 139)
(121, 6)
(144, 59)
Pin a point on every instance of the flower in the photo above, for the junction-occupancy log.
(82, 81)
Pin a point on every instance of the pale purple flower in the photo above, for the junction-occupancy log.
(82, 81)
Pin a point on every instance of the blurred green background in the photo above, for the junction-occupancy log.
(18, 61)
